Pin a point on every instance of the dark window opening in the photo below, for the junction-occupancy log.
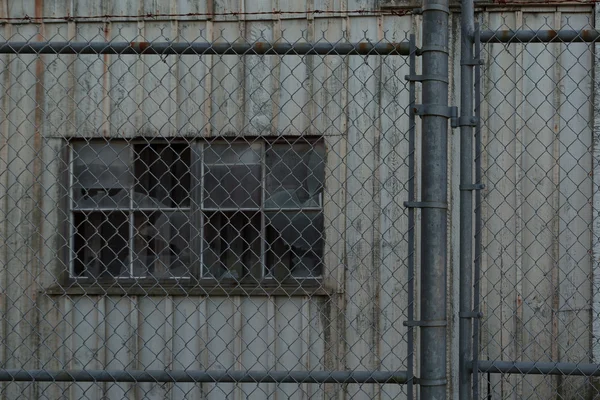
(234, 211)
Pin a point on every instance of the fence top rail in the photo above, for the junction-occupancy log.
(540, 36)
(206, 48)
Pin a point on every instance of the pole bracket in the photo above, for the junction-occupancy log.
(435, 110)
(425, 204)
(431, 382)
(422, 78)
(475, 186)
(472, 61)
(431, 323)
(467, 121)
(469, 315)
(432, 47)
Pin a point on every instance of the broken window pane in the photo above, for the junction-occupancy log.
(295, 175)
(162, 175)
(232, 176)
(232, 245)
(237, 245)
(102, 176)
(162, 244)
(232, 153)
(101, 244)
(295, 244)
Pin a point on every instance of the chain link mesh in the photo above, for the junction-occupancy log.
(538, 285)
(203, 212)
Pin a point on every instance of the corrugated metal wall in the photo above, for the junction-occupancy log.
(359, 326)
(537, 211)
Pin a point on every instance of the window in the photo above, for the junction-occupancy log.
(219, 210)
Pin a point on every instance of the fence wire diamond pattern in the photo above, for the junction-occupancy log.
(168, 214)
(537, 210)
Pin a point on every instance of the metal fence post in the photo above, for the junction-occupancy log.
(478, 221)
(435, 113)
(466, 123)
(411, 219)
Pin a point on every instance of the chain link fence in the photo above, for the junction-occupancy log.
(204, 215)
(539, 233)
(196, 210)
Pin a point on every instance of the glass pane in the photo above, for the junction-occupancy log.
(162, 245)
(101, 244)
(231, 186)
(295, 244)
(295, 175)
(232, 245)
(232, 176)
(162, 175)
(235, 153)
(102, 175)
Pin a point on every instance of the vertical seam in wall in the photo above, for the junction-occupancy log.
(101, 338)
(208, 77)
(241, 65)
(305, 342)
(519, 174)
(341, 320)
(595, 245)
(556, 47)
(71, 82)
(275, 95)
(238, 344)
(3, 14)
(69, 348)
(133, 342)
(138, 118)
(169, 339)
(204, 341)
(311, 104)
(271, 341)
(377, 234)
(5, 129)
(173, 65)
(37, 247)
(106, 82)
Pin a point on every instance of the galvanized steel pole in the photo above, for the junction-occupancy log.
(478, 220)
(434, 116)
(466, 123)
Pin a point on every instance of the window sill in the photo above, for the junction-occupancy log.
(175, 288)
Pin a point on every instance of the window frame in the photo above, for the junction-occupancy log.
(197, 280)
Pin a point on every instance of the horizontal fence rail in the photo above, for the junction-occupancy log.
(540, 36)
(539, 368)
(198, 48)
(22, 375)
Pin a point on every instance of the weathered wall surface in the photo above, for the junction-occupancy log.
(537, 211)
(535, 259)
